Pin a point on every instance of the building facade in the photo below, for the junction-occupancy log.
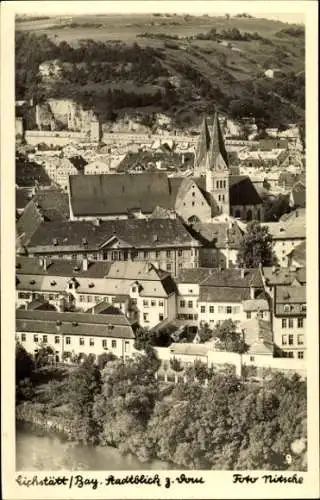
(74, 334)
(143, 293)
(166, 243)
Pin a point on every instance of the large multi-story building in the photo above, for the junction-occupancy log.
(287, 290)
(71, 334)
(210, 296)
(166, 243)
(142, 292)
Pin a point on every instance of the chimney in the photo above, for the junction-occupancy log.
(97, 222)
(44, 264)
(251, 292)
(242, 272)
(182, 159)
(85, 264)
(273, 269)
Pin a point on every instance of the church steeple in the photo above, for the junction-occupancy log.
(217, 171)
(217, 157)
(202, 149)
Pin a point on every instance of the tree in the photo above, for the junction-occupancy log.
(205, 333)
(24, 363)
(256, 247)
(228, 338)
(142, 339)
(175, 365)
(128, 395)
(44, 356)
(104, 358)
(83, 385)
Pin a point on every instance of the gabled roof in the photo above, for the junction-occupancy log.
(193, 275)
(53, 203)
(80, 324)
(46, 205)
(242, 191)
(223, 294)
(120, 194)
(275, 276)
(138, 233)
(290, 294)
(298, 254)
(28, 223)
(291, 229)
(220, 233)
(241, 278)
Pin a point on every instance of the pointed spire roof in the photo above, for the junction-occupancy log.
(203, 143)
(218, 157)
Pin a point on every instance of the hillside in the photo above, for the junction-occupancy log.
(182, 65)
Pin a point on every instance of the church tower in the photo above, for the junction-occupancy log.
(217, 171)
(201, 150)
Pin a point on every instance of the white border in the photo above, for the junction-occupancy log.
(218, 484)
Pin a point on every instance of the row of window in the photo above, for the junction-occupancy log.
(68, 340)
(222, 309)
(221, 184)
(153, 303)
(289, 323)
(289, 339)
(290, 307)
(187, 317)
(290, 354)
(124, 255)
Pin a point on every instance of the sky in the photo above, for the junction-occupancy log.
(286, 11)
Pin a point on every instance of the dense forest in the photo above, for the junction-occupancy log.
(110, 76)
(230, 424)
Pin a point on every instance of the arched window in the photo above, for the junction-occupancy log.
(237, 214)
(258, 214)
(249, 215)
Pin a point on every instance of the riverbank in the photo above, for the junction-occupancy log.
(37, 449)
(36, 420)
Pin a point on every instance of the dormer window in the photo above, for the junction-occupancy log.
(134, 289)
(55, 241)
(32, 282)
(76, 268)
(58, 322)
(53, 283)
(303, 307)
(74, 323)
(287, 308)
(91, 285)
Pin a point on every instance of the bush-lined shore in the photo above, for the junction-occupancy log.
(223, 425)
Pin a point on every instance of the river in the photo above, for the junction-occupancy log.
(39, 450)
